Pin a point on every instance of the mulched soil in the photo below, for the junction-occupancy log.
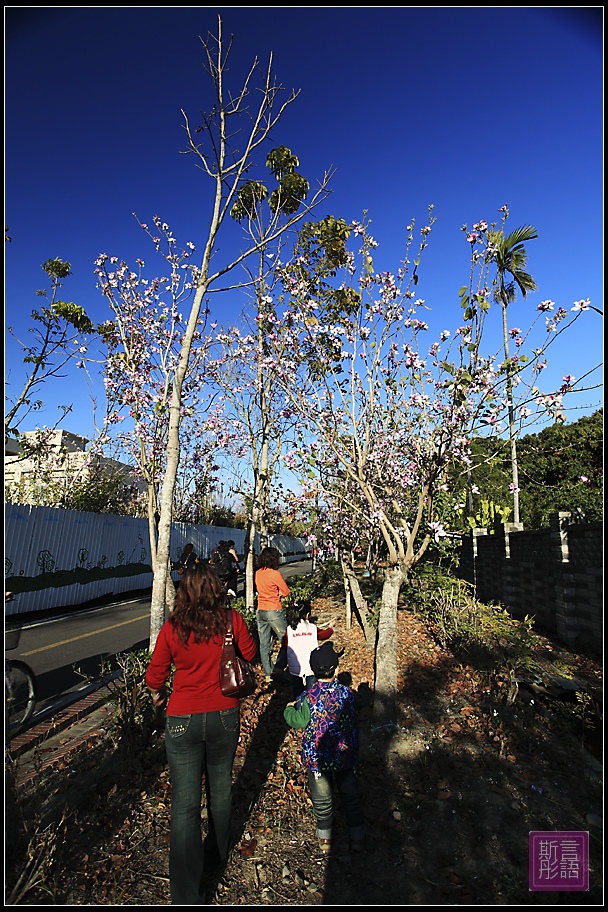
(450, 797)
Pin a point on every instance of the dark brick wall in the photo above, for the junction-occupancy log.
(554, 575)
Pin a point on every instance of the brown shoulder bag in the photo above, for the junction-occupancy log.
(237, 676)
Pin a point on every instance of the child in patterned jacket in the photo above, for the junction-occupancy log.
(330, 747)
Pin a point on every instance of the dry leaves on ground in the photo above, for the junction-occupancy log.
(450, 796)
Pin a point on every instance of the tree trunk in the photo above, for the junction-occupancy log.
(351, 586)
(511, 412)
(249, 563)
(384, 713)
(347, 595)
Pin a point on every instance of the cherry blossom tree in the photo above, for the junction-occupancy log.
(245, 375)
(386, 415)
(143, 342)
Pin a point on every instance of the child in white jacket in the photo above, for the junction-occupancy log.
(301, 637)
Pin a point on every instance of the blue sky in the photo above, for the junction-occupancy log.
(467, 109)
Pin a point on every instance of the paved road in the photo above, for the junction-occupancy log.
(89, 640)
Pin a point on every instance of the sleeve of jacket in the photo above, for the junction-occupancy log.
(324, 634)
(159, 668)
(245, 643)
(283, 587)
(297, 717)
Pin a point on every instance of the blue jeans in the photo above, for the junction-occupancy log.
(269, 623)
(201, 744)
(321, 793)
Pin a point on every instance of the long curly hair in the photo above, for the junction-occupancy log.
(200, 605)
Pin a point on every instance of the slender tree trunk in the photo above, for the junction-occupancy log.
(353, 590)
(385, 690)
(249, 563)
(162, 598)
(511, 412)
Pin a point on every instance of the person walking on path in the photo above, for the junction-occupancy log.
(187, 558)
(330, 747)
(271, 620)
(301, 637)
(202, 727)
(225, 561)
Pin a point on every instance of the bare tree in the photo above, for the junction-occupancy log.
(228, 168)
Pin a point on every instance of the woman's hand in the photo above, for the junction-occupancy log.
(159, 697)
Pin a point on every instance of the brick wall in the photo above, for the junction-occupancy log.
(554, 575)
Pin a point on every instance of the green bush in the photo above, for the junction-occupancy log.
(249, 614)
(486, 635)
(135, 717)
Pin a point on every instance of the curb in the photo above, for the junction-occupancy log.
(40, 733)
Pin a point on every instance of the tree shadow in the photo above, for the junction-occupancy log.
(451, 798)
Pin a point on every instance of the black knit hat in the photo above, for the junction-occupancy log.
(323, 660)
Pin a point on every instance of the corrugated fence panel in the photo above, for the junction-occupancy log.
(60, 558)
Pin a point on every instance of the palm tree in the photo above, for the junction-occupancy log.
(510, 257)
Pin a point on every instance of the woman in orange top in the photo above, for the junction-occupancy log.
(270, 615)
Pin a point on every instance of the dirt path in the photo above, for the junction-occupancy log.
(450, 797)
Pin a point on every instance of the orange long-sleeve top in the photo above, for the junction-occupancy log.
(271, 586)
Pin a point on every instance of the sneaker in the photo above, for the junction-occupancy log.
(269, 679)
(325, 846)
(231, 592)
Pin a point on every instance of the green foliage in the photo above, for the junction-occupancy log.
(72, 314)
(286, 198)
(580, 716)
(57, 269)
(510, 256)
(135, 717)
(560, 469)
(301, 588)
(320, 250)
(488, 515)
(281, 161)
(289, 195)
(486, 635)
(249, 614)
(327, 238)
(250, 196)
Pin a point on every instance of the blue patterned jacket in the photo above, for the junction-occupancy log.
(330, 740)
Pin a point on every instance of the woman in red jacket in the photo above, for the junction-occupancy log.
(202, 730)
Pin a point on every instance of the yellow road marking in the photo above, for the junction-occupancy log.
(83, 636)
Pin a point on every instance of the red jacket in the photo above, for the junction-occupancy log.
(196, 683)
